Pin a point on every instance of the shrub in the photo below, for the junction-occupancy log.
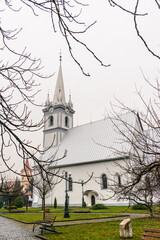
(1, 203)
(55, 203)
(99, 206)
(19, 202)
(85, 204)
(139, 206)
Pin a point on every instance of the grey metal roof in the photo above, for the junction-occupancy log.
(93, 141)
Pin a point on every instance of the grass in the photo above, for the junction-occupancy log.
(98, 231)
(35, 214)
(29, 210)
(101, 231)
(111, 209)
(33, 217)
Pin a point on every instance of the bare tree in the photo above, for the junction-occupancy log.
(19, 73)
(134, 11)
(141, 169)
(17, 96)
(143, 191)
(45, 180)
(65, 18)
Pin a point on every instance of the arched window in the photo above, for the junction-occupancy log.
(104, 181)
(51, 121)
(66, 121)
(70, 184)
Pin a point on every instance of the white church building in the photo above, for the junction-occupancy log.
(89, 150)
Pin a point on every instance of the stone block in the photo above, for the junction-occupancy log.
(126, 228)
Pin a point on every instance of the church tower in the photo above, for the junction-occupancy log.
(58, 115)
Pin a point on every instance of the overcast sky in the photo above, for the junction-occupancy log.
(114, 41)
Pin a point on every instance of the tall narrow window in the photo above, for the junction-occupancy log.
(51, 121)
(117, 179)
(66, 121)
(104, 181)
(70, 184)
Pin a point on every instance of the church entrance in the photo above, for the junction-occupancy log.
(93, 201)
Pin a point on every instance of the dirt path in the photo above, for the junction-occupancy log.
(130, 215)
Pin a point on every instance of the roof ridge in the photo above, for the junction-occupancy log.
(104, 119)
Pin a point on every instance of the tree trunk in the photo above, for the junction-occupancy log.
(43, 207)
(9, 208)
(26, 203)
(150, 211)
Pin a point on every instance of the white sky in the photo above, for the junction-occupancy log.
(114, 41)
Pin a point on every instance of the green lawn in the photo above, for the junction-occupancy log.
(111, 209)
(101, 231)
(33, 217)
(98, 231)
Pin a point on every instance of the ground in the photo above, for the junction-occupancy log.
(91, 229)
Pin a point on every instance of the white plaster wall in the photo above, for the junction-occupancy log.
(59, 118)
(83, 172)
(49, 137)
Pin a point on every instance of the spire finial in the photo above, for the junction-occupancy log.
(60, 56)
(70, 101)
(47, 102)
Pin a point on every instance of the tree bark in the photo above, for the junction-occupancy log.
(43, 206)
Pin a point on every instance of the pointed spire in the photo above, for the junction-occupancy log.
(26, 165)
(47, 102)
(59, 94)
(70, 101)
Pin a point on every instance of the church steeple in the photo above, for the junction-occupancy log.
(58, 115)
(59, 94)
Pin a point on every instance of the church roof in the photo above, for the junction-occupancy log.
(94, 141)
